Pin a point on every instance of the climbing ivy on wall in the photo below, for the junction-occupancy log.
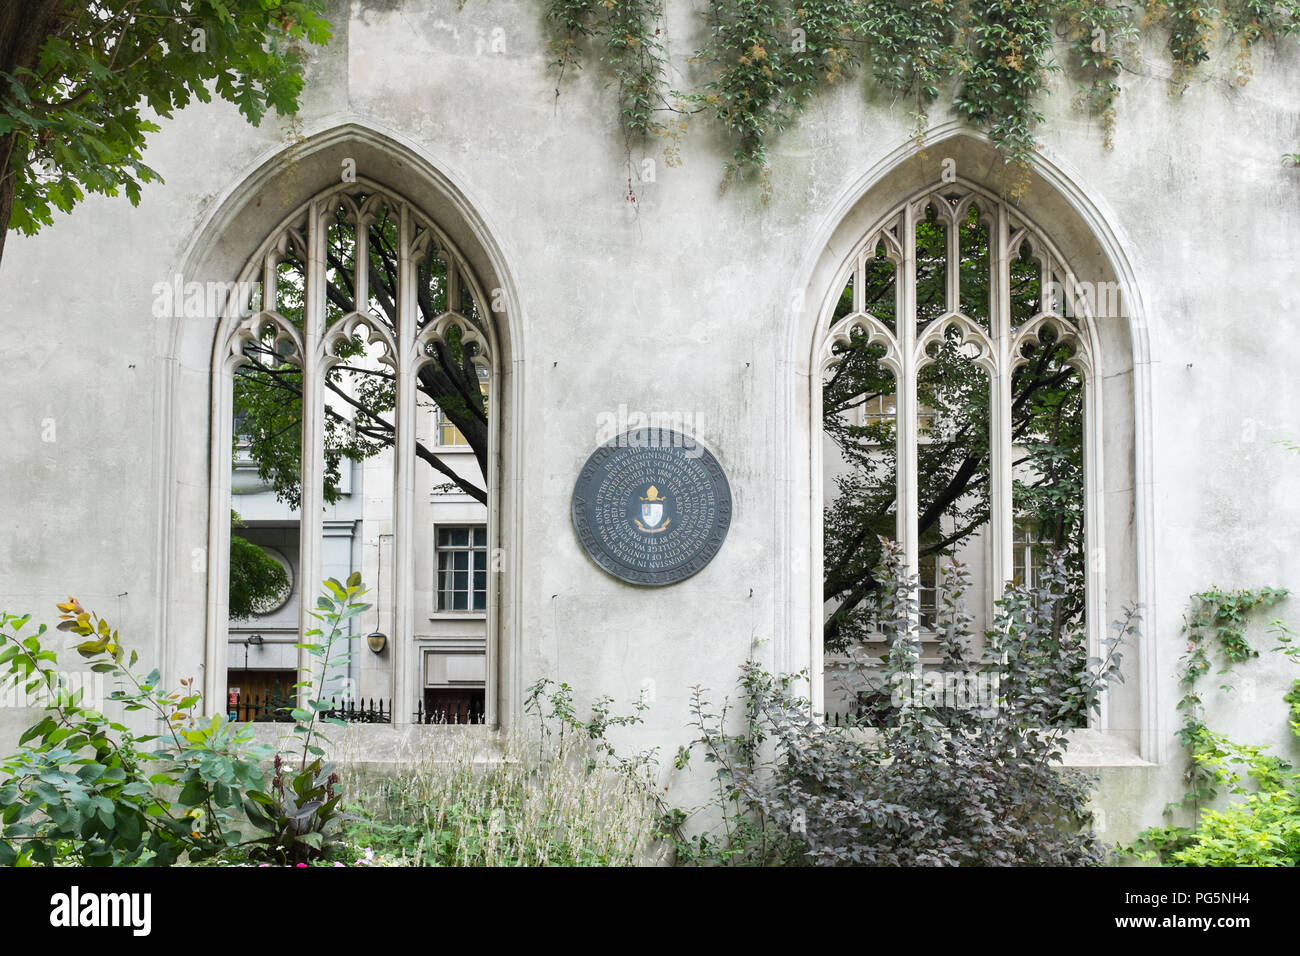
(628, 32)
(1218, 619)
(764, 59)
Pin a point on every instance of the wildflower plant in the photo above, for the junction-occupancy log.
(300, 813)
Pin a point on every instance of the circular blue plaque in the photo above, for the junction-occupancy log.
(652, 506)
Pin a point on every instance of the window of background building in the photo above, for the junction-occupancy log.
(462, 569)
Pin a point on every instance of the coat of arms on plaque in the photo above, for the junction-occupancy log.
(652, 519)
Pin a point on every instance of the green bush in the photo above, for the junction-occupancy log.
(1263, 827)
(301, 813)
(1262, 830)
(84, 789)
(935, 784)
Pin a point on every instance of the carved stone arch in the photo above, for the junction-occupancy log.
(459, 276)
(366, 212)
(973, 198)
(887, 238)
(256, 216)
(971, 335)
(1066, 334)
(361, 201)
(349, 327)
(1083, 239)
(943, 206)
(291, 234)
(292, 237)
(435, 333)
(350, 206)
(868, 250)
(841, 334)
(1022, 236)
(255, 328)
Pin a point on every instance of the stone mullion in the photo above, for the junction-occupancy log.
(270, 288)
(453, 286)
(859, 280)
(1000, 439)
(1046, 300)
(219, 533)
(907, 421)
(952, 269)
(312, 466)
(403, 645)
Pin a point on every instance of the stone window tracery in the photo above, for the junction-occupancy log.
(362, 314)
(957, 397)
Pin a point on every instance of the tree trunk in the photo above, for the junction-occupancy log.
(25, 25)
(7, 183)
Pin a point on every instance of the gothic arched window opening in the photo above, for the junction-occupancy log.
(364, 343)
(954, 393)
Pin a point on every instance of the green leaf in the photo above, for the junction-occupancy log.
(92, 648)
(192, 794)
(258, 818)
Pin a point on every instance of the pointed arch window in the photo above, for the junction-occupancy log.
(358, 313)
(959, 410)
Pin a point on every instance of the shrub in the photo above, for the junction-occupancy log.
(936, 785)
(85, 789)
(1262, 830)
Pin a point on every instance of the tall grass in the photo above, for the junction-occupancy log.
(529, 799)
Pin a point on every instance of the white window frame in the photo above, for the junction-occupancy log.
(441, 421)
(442, 613)
(1028, 547)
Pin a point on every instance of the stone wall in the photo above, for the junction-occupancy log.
(685, 300)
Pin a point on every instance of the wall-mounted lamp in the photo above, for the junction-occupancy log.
(255, 640)
(377, 640)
